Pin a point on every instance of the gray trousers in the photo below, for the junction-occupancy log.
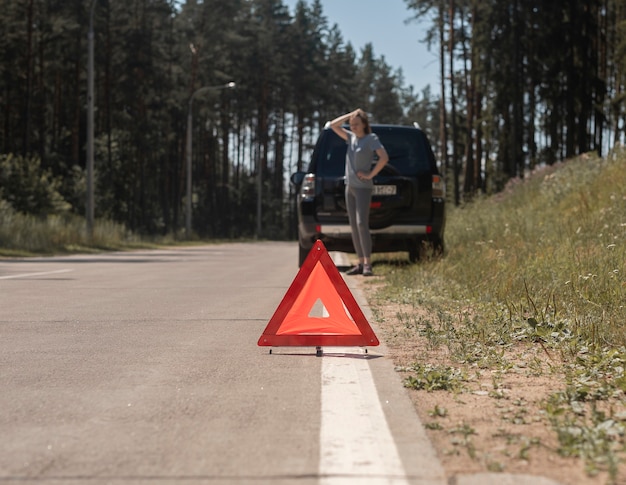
(358, 204)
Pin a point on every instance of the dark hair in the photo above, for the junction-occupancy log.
(366, 123)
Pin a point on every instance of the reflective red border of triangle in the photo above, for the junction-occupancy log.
(318, 254)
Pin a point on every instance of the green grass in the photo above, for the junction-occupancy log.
(25, 235)
(541, 264)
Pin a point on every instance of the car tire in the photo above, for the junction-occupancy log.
(438, 247)
(421, 249)
(416, 250)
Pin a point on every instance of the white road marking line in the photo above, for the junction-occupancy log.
(28, 275)
(356, 443)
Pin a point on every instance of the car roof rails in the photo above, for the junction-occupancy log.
(415, 124)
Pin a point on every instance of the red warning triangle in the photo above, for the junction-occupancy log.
(318, 281)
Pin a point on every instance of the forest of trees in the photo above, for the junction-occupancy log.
(523, 83)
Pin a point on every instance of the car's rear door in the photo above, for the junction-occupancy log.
(403, 189)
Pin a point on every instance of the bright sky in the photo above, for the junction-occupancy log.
(382, 23)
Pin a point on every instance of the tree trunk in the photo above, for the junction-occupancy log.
(455, 158)
(443, 125)
(469, 185)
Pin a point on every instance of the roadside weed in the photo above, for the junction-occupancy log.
(434, 378)
(533, 281)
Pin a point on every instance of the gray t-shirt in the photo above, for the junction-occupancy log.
(359, 158)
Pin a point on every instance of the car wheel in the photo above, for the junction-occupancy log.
(425, 249)
(415, 251)
(438, 247)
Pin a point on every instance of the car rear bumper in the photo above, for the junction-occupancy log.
(397, 237)
(343, 230)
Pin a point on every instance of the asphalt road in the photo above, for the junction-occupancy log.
(142, 367)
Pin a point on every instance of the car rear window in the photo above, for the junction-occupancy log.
(408, 152)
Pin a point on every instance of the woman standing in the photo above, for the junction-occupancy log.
(362, 145)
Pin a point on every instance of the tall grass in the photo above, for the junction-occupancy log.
(22, 234)
(550, 249)
(542, 265)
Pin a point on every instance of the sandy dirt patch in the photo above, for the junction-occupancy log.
(497, 422)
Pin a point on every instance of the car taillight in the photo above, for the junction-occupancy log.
(439, 187)
(308, 185)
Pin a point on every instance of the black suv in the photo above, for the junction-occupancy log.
(407, 204)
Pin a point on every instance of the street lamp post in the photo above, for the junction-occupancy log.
(89, 209)
(188, 149)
